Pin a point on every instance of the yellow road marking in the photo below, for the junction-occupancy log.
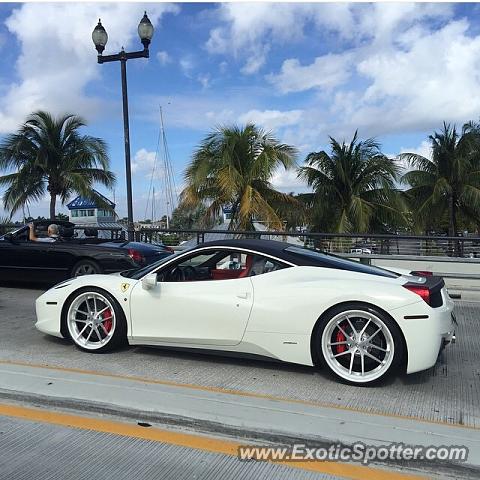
(197, 442)
(241, 393)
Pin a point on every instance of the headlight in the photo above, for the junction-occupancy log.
(65, 283)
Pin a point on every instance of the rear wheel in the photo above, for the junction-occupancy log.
(359, 344)
(95, 321)
(85, 267)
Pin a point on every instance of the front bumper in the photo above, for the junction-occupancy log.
(48, 308)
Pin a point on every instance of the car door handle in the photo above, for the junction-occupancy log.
(242, 295)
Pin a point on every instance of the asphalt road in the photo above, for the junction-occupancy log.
(448, 393)
(51, 452)
(43, 377)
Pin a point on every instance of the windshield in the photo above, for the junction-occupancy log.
(329, 260)
(15, 230)
(138, 273)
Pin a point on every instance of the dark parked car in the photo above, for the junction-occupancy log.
(69, 256)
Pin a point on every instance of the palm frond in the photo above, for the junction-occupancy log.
(49, 153)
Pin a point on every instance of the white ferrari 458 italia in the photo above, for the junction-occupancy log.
(264, 298)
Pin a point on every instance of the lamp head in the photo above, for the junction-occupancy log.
(145, 30)
(99, 37)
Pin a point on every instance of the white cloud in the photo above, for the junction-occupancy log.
(143, 161)
(163, 57)
(412, 88)
(57, 58)
(247, 30)
(255, 60)
(208, 110)
(196, 112)
(287, 181)
(326, 72)
(187, 64)
(223, 67)
(401, 72)
(272, 119)
(204, 80)
(424, 149)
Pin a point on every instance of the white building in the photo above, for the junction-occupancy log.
(86, 213)
(83, 211)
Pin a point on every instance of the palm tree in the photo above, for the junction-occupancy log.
(234, 166)
(49, 154)
(354, 187)
(449, 183)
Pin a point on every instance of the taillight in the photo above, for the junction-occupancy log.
(421, 273)
(169, 249)
(136, 256)
(422, 291)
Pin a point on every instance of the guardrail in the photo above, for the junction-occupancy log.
(353, 244)
(453, 253)
(418, 245)
(113, 233)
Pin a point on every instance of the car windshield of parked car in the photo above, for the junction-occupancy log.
(329, 260)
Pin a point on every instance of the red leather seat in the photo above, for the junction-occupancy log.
(248, 266)
(225, 274)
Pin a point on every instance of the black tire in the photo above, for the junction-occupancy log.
(349, 357)
(88, 267)
(116, 338)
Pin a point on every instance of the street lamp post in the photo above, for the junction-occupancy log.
(100, 38)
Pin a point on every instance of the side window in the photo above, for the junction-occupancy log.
(194, 268)
(261, 265)
(232, 261)
(218, 265)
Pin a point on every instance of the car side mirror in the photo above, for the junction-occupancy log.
(149, 281)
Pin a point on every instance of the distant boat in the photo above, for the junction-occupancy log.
(162, 171)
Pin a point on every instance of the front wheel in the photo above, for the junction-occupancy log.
(95, 321)
(359, 344)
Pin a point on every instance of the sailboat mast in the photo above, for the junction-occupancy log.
(153, 206)
(171, 199)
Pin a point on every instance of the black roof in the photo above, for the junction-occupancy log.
(271, 247)
(298, 255)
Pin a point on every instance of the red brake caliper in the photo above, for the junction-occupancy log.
(340, 337)
(107, 323)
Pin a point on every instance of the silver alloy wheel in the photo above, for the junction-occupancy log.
(358, 346)
(91, 320)
(84, 269)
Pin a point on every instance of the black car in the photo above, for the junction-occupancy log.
(69, 256)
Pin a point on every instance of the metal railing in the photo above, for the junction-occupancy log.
(367, 248)
(359, 245)
(442, 251)
(351, 244)
(113, 233)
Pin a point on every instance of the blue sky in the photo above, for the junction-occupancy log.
(305, 71)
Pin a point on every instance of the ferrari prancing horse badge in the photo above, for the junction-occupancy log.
(124, 287)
